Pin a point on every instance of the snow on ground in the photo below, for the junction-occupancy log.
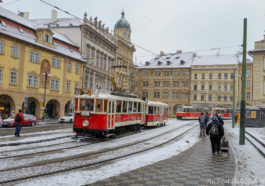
(249, 162)
(258, 132)
(82, 177)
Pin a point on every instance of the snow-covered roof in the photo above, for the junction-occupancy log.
(216, 60)
(155, 103)
(60, 22)
(170, 60)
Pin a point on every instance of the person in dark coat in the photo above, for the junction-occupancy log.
(215, 137)
(220, 119)
(18, 124)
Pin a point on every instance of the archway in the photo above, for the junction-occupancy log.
(53, 108)
(32, 107)
(68, 108)
(7, 106)
(176, 108)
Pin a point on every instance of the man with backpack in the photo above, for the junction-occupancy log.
(19, 119)
(202, 125)
(216, 131)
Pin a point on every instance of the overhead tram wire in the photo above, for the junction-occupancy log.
(82, 20)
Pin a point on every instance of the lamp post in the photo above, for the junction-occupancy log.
(45, 83)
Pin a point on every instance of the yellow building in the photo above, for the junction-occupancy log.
(37, 66)
(124, 68)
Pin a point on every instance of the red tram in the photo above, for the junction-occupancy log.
(190, 112)
(156, 114)
(107, 114)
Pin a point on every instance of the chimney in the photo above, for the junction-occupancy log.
(54, 16)
(24, 14)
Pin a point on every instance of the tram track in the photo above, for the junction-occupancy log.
(88, 159)
(256, 143)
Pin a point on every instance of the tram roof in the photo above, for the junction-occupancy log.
(108, 96)
(155, 103)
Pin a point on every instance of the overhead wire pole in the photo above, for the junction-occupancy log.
(243, 91)
(234, 98)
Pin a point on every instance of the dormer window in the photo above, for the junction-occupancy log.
(182, 62)
(3, 23)
(46, 38)
(168, 57)
(168, 62)
(147, 63)
(21, 30)
(159, 63)
(177, 57)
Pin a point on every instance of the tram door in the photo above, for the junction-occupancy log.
(111, 115)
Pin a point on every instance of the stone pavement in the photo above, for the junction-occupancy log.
(195, 166)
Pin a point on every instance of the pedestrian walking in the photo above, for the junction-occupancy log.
(206, 120)
(220, 119)
(19, 120)
(202, 125)
(216, 131)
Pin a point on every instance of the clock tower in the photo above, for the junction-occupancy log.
(122, 28)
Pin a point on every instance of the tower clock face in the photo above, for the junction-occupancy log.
(124, 34)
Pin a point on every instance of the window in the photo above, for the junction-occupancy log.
(55, 84)
(166, 73)
(248, 96)
(157, 83)
(202, 97)
(232, 76)
(13, 77)
(219, 98)
(231, 98)
(1, 75)
(231, 88)
(203, 76)
(225, 98)
(56, 62)
(69, 66)
(195, 76)
(130, 106)
(77, 68)
(225, 87)
(124, 106)
(226, 75)
(175, 95)
(210, 75)
(15, 51)
(157, 73)
(68, 87)
(248, 72)
(46, 38)
(145, 83)
(150, 109)
(2, 47)
(156, 94)
(34, 57)
(76, 86)
(184, 95)
(202, 87)
(118, 106)
(175, 83)
(219, 87)
(195, 87)
(185, 83)
(145, 94)
(165, 83)
(99, 105)
(195, 97)
(219, 76)
(87, 104)
(185, 73)
(210, 87)
(175, 73)
(33, 81)
(165, 94)
(210, 98)
(248, 83)
(146, 74)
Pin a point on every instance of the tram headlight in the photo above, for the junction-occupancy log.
(85, 123)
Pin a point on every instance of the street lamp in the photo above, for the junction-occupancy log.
(46, 75)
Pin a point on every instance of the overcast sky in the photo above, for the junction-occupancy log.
(167, 25)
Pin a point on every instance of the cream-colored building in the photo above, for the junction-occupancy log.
(124, 70)
(259, 73)
(97, 46)
(212, 81)
(166, 78)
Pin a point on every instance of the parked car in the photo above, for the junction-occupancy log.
(67, 118)
(29, 120)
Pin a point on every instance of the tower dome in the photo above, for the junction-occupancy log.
(122, 23)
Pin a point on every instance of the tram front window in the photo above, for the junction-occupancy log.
(87, 104)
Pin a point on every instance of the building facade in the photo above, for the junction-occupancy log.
(259, 73)
(96, 44)
(39, 68)
(166, 78)
(124, 70)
